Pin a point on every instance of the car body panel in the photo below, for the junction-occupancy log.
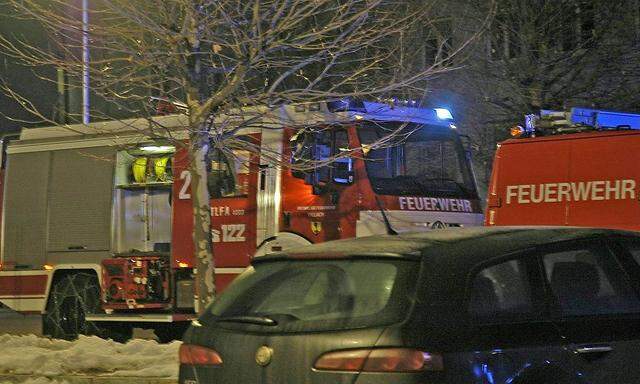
(294, 355)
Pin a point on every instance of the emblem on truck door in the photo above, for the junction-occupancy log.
(263, 356)
(438, 225)
(316, 227)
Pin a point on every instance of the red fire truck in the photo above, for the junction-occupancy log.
(575, 168)
(97, 219)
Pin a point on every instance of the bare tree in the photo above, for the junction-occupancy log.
(213, 60)
(546, 54)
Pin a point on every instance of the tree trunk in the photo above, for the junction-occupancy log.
(205, 276)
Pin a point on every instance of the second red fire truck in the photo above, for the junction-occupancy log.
(97, 220)
(576, 168)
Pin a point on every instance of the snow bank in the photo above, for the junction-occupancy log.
(89, 355)
(38, 380)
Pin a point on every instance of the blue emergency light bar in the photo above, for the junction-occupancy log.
(576, 120)
(604, 119)
(393, 110)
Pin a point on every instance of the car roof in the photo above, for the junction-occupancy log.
(463, 243)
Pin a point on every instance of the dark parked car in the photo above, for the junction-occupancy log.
(483, 305)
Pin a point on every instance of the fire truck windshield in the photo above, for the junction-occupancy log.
(411, 159)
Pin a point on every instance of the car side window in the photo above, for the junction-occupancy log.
(589, 281)
(501, 291)
(633, 247)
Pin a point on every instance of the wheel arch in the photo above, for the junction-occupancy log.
(61, 270)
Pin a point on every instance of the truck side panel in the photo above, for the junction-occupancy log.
(80, 197)
(578, 180)
(25, 210)
(609, 168)
(515, 169)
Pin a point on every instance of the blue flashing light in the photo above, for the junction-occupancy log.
(408, 111)
(443, 114)
(530, 124)
(604, 119)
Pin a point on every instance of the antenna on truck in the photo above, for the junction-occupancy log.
(390, 230)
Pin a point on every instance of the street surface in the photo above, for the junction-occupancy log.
(17, 324)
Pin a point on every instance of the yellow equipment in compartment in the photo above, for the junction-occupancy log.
(147, 170)
(160, 168)
(139, 169)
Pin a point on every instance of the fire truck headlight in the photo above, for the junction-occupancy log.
(443, 114)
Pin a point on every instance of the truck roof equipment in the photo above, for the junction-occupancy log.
(575, 120)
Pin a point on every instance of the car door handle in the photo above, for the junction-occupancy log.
(587, 349)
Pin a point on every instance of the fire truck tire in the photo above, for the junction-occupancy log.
(116, 332)
(72, 296)
(167, 333)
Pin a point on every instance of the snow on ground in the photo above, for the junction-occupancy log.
(39, 380)
(89, 355)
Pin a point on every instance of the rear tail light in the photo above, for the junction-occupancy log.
(197, 355)
(380, 360)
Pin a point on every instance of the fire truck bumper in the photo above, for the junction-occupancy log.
(141, 317)
(372, 222)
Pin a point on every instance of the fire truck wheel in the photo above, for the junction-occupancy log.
(167, 333)
(116, 332)
(71, 298)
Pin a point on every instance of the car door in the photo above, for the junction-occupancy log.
(596, 309)
(513, 338)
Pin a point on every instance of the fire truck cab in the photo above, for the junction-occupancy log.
(97, 219)
(575, 168)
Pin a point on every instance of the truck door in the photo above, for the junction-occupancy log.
(320, 194)
(232, 183)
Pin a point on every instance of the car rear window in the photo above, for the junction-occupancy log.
(319, 295)
(501, 292)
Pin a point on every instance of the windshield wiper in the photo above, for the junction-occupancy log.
(258, 320)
